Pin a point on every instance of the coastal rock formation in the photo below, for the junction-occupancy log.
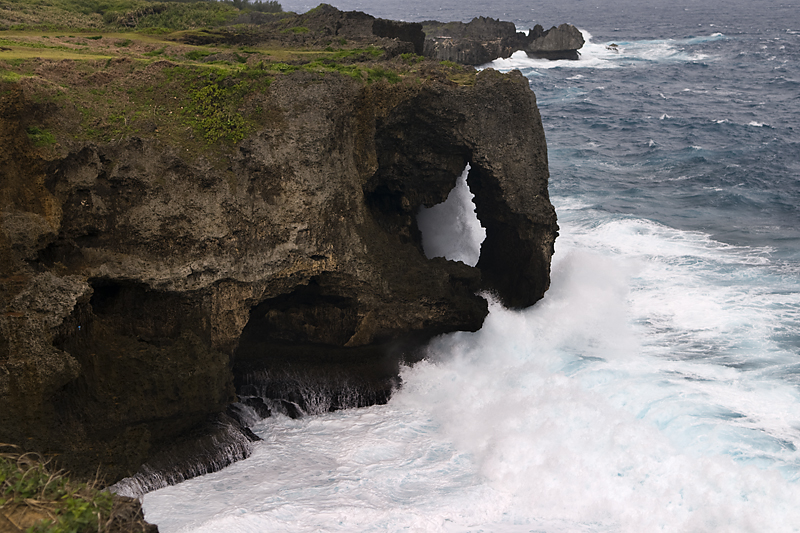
(142, 284)
(322, 26)
(485, 39)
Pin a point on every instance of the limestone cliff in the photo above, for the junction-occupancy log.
(143, 283)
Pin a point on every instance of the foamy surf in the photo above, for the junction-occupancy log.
(604, 407)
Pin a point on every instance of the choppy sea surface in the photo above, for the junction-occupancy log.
(656, 387)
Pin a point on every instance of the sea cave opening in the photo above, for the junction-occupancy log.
(451, 229)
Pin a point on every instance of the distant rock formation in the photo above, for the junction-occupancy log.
(321, 26)
(142, 289)
(485, 39)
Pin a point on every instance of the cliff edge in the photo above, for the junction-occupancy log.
(146, 283)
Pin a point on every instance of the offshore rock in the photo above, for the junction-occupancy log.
(485, 39)
(141, 285)
(562, 42)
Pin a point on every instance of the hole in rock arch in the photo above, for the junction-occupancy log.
(451, 229)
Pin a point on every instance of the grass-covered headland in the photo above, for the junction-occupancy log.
(35, 498)
(198, 72)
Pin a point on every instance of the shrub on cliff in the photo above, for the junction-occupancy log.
(34, 498)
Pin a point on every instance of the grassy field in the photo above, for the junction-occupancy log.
(104, 70)
(108, 85)
(109, 14)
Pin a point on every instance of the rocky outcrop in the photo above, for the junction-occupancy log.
(562, 42)
(322, 26)
(141, 284)
(485, 39)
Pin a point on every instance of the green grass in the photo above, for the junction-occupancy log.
(66, 507)
(40, 137)
(9, 76)
(411, 58)
(138, 14)
(197, 55)
(296, 29)
(41, 499)
(215, 99)
(27, 44)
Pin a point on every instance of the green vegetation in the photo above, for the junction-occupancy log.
(296, 29)
(30, 492)
(412, 59)
(40, 137)
(176, 69)
(174, 15)
(9, 76)
(28, 44)
(196, 55)
(215, 99)
(140, 14)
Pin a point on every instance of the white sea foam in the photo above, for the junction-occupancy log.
(604, 55)
(637, 396)
(452, 229)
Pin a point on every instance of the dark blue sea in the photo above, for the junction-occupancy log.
(656, 387)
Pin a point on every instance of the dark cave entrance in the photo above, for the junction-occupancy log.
(292, 356)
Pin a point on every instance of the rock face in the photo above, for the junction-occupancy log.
(485, 39)
(140, 286)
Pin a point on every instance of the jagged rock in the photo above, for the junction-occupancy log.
(209, 448)
(484, 39)
(140, 284)
(321, 26)
(562, 42)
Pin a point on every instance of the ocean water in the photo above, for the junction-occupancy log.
(656, 387)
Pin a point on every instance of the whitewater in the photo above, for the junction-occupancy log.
(656, 387)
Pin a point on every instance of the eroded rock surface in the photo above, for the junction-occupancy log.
(140, 286)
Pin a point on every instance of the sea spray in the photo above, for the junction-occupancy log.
(452, 229)
(524, 424)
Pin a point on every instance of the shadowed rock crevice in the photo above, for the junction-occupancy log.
(148, 370)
